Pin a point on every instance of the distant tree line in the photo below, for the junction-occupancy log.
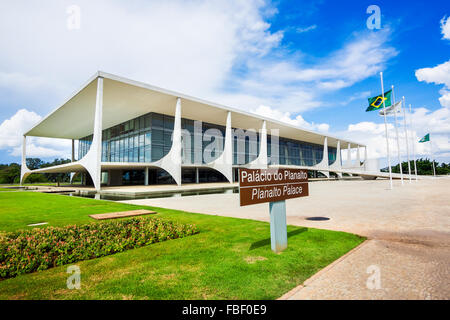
(10, 173)
(424, 167)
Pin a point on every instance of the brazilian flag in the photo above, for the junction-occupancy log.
(375, 103)
(426, 138)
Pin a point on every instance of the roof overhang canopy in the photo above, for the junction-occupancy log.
(125, 99)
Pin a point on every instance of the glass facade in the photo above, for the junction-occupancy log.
(332, 154)
(148, 138)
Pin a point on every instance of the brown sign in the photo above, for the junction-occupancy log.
(270, 185)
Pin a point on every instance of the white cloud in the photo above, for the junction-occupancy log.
(287, 118)
(186, 46)
(437, 123)
(356, 96)
(438, 75)
(12, 130)
(371, 127)
(193, 47)
(306, 29)
(11, 137)
(292, 86)
(445, 28)
(445, 99)
(220, 50)
(359, 59)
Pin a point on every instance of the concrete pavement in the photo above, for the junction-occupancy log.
(407, 255)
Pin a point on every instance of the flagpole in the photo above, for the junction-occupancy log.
(414, 141)
(432, 157)
(406, 137)
(396, 132)
(386, 131)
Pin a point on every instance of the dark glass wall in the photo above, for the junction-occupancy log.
(148, 138)
(332, 154)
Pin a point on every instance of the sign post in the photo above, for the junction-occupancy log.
(278, 227)
(274, 186)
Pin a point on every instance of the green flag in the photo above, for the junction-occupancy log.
(375, 103)
(426, 138)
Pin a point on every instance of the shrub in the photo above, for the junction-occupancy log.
(26, 251)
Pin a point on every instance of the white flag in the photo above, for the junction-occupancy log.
(394, 108)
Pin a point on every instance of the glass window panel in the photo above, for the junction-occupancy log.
(157, 136)
(167, 139)
(168, 123)
(130, 155)
(130, 142)
(148, 121)
(157, 152)
(147, 154)
(166, 150)
(157, 121)
(148, 138)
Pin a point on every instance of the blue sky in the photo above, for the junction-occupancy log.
(310, 63)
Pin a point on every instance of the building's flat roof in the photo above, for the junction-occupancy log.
(125, 99)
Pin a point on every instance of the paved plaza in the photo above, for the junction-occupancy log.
(407, 255)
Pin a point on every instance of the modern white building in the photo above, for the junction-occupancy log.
(130, 132)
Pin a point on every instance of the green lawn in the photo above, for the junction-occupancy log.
(229, 259)
(19, 209)
(53, 184)
(7, 189)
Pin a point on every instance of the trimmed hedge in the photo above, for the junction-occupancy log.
(26, 251)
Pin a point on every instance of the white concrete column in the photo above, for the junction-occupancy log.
(24, 171)
(358, 157)
(349, 156)
(172, 161)
(337, 164)
(325, 152)
(365, 158)
(92, 160)
(97, 137)
(72, 174)
(224, 163)
(228, 149)
(261, 162)
(324, 163)
(73, 150)
(146, 176)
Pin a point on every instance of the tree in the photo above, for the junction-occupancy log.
(57, 177)
(34, 163)
(9, 173)
(424, 167)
